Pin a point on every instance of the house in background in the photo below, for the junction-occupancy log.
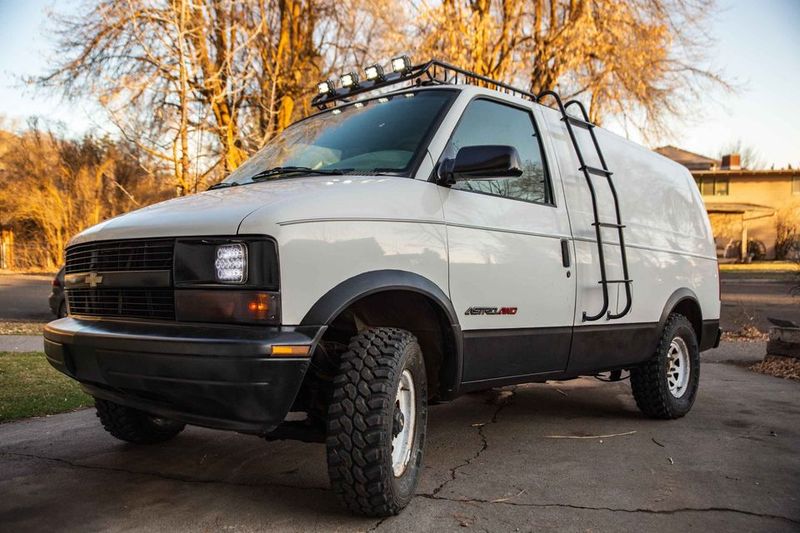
(743, 205)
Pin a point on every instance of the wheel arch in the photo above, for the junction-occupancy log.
(685, 302)
(403, 299)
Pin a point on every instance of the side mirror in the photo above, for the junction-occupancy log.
(481, 162)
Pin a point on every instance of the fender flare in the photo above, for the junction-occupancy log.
(676, 298)
(343, 295)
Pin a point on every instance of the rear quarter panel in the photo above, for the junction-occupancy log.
(668, 237)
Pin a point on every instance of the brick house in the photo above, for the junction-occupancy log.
(743, 205)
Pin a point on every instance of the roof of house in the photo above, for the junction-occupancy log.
(743, 172)
(686, 158)
(740, 208)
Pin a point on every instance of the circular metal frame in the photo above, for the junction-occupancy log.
(678, 367)
(406, 405)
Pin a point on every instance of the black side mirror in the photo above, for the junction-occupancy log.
(481, 162)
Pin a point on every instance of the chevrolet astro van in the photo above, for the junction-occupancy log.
(427, 233)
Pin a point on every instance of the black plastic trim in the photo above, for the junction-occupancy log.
(339, 298)
(216, 376)
(711, 335)
(602, 347)
(496, 354)
(125, 279)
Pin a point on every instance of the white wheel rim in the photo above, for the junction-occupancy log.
(678, 368)
(403, 425)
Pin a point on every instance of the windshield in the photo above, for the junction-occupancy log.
(382, 135)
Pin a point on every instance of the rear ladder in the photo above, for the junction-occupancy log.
(588, 172)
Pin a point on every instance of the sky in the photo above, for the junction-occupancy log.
(757, 48)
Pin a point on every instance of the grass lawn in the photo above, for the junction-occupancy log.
(29, 386)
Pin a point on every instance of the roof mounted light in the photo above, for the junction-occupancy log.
(349, 80)
(374, 72)
(326, 87)
(401, 64)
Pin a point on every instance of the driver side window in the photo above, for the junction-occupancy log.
(487, 122)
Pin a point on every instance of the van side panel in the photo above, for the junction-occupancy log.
(668, 241)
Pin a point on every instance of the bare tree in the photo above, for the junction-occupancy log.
(642, 60)
(169, 72)
(51, 187)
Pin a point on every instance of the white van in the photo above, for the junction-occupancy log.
(429, 232)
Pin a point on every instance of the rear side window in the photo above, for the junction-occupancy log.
(488, 122)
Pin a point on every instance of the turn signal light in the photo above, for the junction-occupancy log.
(291, 350)
(259, 306)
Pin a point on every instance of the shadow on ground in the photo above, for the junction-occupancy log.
(495, 461)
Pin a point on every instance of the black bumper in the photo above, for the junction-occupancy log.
(208, 375)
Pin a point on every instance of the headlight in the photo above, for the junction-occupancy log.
(235, 262)
(231, 263)
(227, 280)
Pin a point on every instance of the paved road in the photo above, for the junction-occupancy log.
(751, 301)
(24, 297)
(491, 464)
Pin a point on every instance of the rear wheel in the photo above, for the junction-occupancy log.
(132, 425)
(376, 422)
(666, 385)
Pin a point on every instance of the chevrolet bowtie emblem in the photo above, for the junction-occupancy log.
(93, 279)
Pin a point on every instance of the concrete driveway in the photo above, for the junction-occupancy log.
(496, 461)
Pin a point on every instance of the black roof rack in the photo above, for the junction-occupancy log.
(434, 72)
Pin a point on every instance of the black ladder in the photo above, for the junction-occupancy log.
(588, 172)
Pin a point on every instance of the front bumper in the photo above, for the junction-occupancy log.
(208, 375)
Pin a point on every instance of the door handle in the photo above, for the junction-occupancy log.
(565, 259)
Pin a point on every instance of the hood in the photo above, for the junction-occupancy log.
(221, 211)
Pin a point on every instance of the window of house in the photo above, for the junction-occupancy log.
(721, 186)
(486, 122)
(796, 185)
(710, 186)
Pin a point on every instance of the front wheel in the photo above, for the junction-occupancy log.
(132, 425)
(376, 422)
(666, 385)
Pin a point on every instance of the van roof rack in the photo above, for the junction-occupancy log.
(434, 72)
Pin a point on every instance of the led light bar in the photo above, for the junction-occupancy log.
(349, 80)
(401, 64)
(231, 263)
(374, 72)
(326, 87)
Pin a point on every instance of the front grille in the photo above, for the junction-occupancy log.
(139, 300)
(131, 303)
(120, 256)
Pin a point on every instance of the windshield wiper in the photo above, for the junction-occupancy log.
(223, 185)
(283, 171)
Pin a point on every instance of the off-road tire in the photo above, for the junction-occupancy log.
(132, 425)
(360, 422)
(649, 381)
